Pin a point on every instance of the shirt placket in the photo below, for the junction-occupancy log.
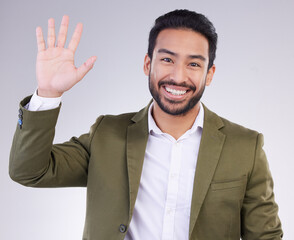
(172, 192)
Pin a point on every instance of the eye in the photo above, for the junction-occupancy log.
(193, 64)
(167, 60)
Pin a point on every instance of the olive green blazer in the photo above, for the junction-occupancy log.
(233, 188)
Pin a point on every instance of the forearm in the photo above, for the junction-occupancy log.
(32, 144)
(35, 161)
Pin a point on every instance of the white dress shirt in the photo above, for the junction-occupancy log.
(163, 204)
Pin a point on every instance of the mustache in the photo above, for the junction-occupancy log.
(171, 82)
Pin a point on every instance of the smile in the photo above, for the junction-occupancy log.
(175, 92)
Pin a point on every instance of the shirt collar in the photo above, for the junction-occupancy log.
(153, 128)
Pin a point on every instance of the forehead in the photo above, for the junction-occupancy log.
(182, 41)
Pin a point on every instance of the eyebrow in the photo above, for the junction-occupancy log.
(163, 50)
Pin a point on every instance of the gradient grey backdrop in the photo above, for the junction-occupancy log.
(253, 86)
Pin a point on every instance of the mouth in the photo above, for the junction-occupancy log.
(175, 93)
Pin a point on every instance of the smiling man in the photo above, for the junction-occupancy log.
(174, 170)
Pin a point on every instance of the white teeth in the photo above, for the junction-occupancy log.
(175, 92)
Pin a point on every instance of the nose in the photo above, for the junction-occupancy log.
(179, 73)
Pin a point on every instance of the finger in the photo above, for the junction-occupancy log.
(40, 39)
(63, 31)
(85, 68)
(51, 33)
(73, 44)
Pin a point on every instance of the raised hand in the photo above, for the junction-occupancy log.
(55, 68)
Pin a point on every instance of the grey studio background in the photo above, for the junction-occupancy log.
(253, 86)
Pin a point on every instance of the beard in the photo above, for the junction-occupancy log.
(175, 108)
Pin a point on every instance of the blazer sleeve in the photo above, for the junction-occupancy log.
(36, 162)
(260, 212)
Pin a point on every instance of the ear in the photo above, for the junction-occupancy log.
(209, 75)
(146, 67)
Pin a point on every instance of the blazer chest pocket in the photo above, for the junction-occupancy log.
(226, 185)
(229, 190)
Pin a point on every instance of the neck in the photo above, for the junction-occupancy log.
(175, 126)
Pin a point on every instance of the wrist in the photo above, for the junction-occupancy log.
(48, 94)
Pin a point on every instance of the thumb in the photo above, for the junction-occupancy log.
(85, 67)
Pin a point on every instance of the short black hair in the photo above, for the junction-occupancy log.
(185, 19)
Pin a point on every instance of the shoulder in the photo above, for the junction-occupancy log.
(125, 119)
(236, 129)
(115, 123)
(240, 144)
(231, 129)
(121, 120)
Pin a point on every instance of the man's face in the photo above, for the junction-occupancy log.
(178, 70)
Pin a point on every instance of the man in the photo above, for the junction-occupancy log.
(174, 170)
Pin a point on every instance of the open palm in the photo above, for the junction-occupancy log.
(55, 68)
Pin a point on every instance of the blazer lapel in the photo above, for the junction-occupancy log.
(137, 136)
(209, 152)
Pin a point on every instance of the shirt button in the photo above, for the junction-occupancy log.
(169, 211)
(173, 175)
(122, 228)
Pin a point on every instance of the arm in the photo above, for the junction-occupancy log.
(260, 212)
(34, 161)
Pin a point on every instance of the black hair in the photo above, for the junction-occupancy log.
(185, 19)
